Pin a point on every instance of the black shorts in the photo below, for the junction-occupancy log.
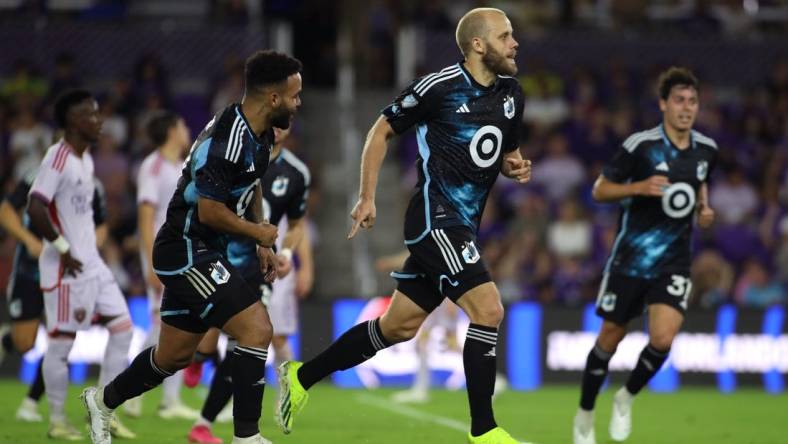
(623, 298)
(25, 299)
(206, 295)
(444, 264)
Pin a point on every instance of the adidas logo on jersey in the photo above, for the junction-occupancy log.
(250, 169)
(662, 166)
(463, 108)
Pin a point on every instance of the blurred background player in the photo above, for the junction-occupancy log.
(156, 183)
(661, 178)
(285, 189)
(76, 282)
(468, 119)
(25, 300)
(220, 181)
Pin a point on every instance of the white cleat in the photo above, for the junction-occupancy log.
(178, 411)
(583, 428)
(28, 411)
(412, 396)
(256, 439)
(226, 415)
(64, 431)
(621, 417)
(133, 407)
(99, 415)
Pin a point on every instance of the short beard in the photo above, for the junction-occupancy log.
(281, 118)
(497, 63)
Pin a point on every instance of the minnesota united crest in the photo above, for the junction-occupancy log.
(508, 107)
(703, 170)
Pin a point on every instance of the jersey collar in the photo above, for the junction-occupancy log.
(669, 143)
(258, 139)
(472, 82)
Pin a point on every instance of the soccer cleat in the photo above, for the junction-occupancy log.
(583, 428)
(226, 415)
(63, 430)
(28, 411)
(621, 417)
(292, 395)
(178, 410)
(494, 436)
(192, 374)
(412, 396)
(201, 434)
(133, 407)
(120, 431)
(99, 415)
(256, 439)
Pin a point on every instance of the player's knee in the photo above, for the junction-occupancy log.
(402, 331)
(490, 315)
(174, 361)
(256, 335)
(661, 341)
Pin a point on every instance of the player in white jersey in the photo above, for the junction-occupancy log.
(77, 284)
(156, 183)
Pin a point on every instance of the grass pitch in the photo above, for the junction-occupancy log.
(692, 415)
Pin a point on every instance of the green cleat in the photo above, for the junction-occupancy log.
(494, 436)
(292, 395)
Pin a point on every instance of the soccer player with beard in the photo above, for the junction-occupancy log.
(660, 176)
(467, 118)
(220, 180)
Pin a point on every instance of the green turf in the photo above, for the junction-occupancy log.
(695, 416)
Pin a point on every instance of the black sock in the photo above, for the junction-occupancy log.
(37, 387)
(478, 357)
(649, 362)
(351, 349)
(142, 375)
(8, 343)
(594, 376)
(221, 389)
(248, 373)
(213, 357)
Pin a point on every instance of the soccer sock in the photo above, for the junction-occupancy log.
(37, 387)
(116, 355)
(171, 390)
(141, 376)
(55, 370)
(248, 373)
(355, 346)
(594, 376)
(221, 389)
(648, 365)
(478, 357)
(8, 343)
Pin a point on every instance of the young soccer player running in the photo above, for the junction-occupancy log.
(467, 118)
(660, 176)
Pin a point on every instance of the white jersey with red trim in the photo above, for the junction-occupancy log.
(65, 183)
(156, 183)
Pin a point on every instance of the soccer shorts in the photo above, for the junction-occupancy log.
(25, 299)
(283, 306)
(623, 298)
(205, 295)
(72, 305)
(444, 264)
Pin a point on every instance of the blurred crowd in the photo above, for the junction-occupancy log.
(549, 241)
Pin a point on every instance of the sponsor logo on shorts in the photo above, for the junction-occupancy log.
(470, 253)
(608, 301)
(15, 308)
(219, 274)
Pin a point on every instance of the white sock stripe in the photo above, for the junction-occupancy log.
(490, 334)
(449, 263)
(196, 286)
(481, 339)
(256, 352)
(203, 279)
(450, 249)
(156, 367)
(373, 335)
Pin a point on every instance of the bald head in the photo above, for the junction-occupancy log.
(475, 24)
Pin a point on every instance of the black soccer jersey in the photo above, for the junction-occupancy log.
(655, 233)
(462, 129)
(24, 264)
(285, 190)
(225, 164)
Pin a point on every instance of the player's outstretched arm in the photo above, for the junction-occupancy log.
(12, 223)
(375, 147)
(39, 218)
(216, 215)
(606, 190)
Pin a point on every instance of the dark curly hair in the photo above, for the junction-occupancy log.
(66, 101)
(675, 76)
(269, 67)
